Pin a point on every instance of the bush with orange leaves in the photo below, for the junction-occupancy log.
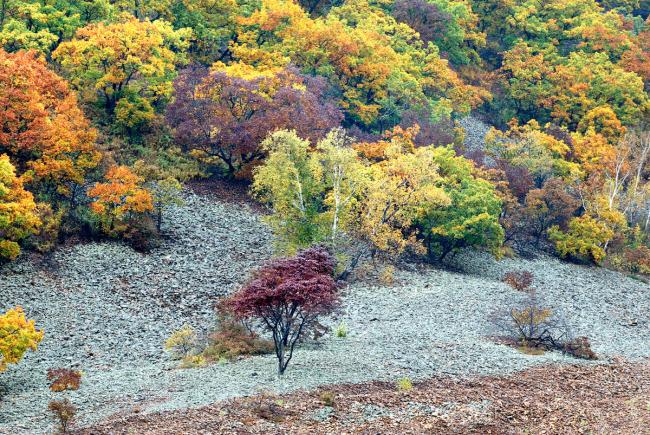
(64, 379)
(120, 201)
(17, 336)
(519, 280)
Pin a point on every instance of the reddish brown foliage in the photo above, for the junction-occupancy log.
(64, 379)
(233, 339)
(287, 296)
(64, 412)
(637, 260)
(580, 347)
(548, 206)
(424, 17)
(521, 280)
(227, 118)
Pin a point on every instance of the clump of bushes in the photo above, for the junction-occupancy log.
(64, 379)
(634, 260)
(580, 347)
(232, 339)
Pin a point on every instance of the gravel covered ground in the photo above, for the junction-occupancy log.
(107, 310)
(475, 131)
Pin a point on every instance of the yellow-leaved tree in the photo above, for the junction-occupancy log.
(361, 200)
(18, 218)
(127, 66)
(401, 188)
(17, 336)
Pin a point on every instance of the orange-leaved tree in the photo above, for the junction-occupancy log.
(119, 199)
(42, 129)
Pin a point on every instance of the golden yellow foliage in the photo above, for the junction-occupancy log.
(119, 199)
(17, 336)
(18, 217)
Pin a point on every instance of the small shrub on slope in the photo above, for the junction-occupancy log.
(64, 379)
(63, 411)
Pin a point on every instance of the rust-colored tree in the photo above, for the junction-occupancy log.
(42, 129)
(287, 296)
(548, 206)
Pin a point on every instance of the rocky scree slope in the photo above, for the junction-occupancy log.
(107, 311)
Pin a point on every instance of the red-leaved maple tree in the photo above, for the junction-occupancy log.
(286, 296)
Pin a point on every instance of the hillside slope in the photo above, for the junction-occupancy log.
(107, 310)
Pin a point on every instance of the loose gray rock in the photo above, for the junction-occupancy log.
(107, 310)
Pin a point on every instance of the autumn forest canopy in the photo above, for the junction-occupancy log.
(344, 118)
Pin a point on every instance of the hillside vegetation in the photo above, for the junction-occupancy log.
(211, 185)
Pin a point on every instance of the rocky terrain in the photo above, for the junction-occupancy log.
(613, 399)
(107, 310)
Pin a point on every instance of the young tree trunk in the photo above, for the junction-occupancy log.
(159, 220)
(281, 365)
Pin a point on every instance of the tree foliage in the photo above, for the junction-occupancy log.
(472, 218)
(42, 130)
(389, 195)
(564, 82)
(17, 336)
(119, 200)
(18, 218)
(224, 118)
(449, 24)
(586, 238)
(287, 296)
(128, 58)
(353, 47)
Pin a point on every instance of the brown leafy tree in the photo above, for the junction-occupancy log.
(225, 118)
(548, 206)
(64, 379)
(63, 411)
(287, 296)
(519, 280)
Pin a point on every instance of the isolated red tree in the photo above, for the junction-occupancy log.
(287, 296)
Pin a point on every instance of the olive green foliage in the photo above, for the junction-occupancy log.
(472, 219)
